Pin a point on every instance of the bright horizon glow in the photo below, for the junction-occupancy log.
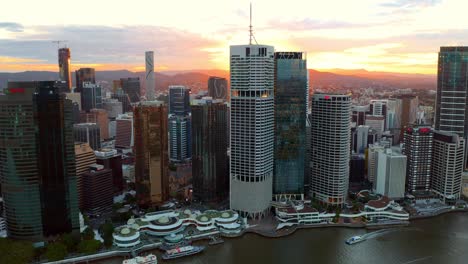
(376, 35)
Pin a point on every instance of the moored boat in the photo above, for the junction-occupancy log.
(149, 259)
(182, 252)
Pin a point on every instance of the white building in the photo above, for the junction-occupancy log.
(372, 159)
(252, 128)
(330, 147)
(447, 165)
(391, 174)
(362, 134)
(377, 123)
(149, 76)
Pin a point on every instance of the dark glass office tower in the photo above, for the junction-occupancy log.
(291, 91)
(38, 162)
(451, 113)
(180, 141)
(217, 88)
(151, 157)
(179, 100)
(84, 75)
(131, 87)
(209, 157)
(91, 96)
(88, 133)
(64, 66)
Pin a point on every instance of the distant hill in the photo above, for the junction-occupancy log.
(197, 79)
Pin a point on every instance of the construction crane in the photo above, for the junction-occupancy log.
(58, 42)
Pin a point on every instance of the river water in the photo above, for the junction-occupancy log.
(443, 239)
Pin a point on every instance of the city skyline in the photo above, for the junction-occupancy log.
(392, 36)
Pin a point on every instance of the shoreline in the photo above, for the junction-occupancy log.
(291, 230)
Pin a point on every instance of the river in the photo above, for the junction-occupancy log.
(442, 239)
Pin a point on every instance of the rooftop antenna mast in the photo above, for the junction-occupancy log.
(251, 35)
(58, 43)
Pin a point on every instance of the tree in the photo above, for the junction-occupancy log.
(14, 251)
(106, 230)
(89, 246)
(56, 251)
(69, 241)
(88, 234)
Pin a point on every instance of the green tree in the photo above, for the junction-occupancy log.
(106, 230)
(69, 241)
(56, 251)
(14, 251)
(89, 246)
(88, 234)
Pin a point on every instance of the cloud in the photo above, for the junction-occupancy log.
(11, 26)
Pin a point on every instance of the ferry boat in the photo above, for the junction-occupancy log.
(354, 240)
(182, 252)
(150, 259)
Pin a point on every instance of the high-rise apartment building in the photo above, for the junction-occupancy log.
(447, 165)
(131, 87)
(252, 128)
(149, 76)
(84, 156)
(84, 75)
(209, 145)
(180, 143)
(218, 88)
(88, 133)
(418, 150)
(151, 153)
(330, 145)
(91, 96)
(179, 100)
(37, 162)
(64, 67)
(290, 93)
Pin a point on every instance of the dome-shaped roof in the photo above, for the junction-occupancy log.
(131, 221)
(204, 219)
(125, 231)
(163, 220)
(225, 215)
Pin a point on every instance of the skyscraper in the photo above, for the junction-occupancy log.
(88, 133)
(149, 76)
(110, 159)
(98, 197)
(64, 66)
(151, 157)
(84, 75)
(84, 156)
(180, 142)
(124, 132)
(91, 96)
(252, 128)
(447, 165)
(179, 100)
(451, 111)
(125, 100)
(209, 145)
(330, 138)
(217, 88)
(131, 87)
(391, 174)
(409, 110)
(291, 90)
(418, 150)
(37, 162)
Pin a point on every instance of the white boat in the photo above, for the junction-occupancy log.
(149, 259)
(354, 240)
(182, 251)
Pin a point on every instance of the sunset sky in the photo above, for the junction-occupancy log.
(387, 35)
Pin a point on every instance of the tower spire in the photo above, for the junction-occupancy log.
(250, 26)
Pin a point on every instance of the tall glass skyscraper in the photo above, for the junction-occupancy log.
(330, 145)
(37, 162)
(179, 100)
(291, 89)
(84, 75)
(252, 128)
(91, 96)
(64, 66)
(180, 144)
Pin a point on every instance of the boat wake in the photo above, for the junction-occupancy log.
(382, 232)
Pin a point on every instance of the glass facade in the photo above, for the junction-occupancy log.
(291, 89)
(84, 75)
(179, 100)
(131, 87)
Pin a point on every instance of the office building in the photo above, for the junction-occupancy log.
(377, 123)
(252, 128)
(84, 156)
(84, 75)
(360, 139)
(179, 100)
(180, 143)
(409, 111)
(330, 138)
(64, 67)
(110, 159)
(149, 76)
(372, 160)
(209, 145)
(91, 96)
(37, 146)
(88, 133)
(98, 197)
(290, 95)
(218, 88)
(100, 117)
(357, 167)
(447, 165)
(125, 100)
(131, 87)
(151, 153)
(359, 113)
(418, 150)
(124, 132)
(75, 98)
(113, 107)
(391, 174)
